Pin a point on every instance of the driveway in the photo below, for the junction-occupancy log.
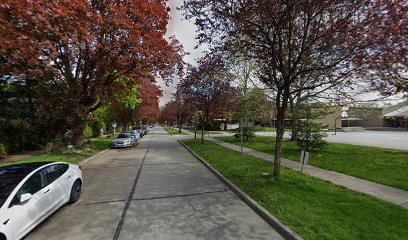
(157, 190)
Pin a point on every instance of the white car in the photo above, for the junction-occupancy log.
(30, 192)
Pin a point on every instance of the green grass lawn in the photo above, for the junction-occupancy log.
(74, 156)
(313, 208)
(174, 131)
(385, 166)
(211, 132)
(264, 129)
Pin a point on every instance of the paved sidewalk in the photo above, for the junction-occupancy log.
(389, 194)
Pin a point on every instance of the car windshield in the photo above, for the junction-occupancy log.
(123, 135)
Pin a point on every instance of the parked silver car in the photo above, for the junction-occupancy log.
(123, 140)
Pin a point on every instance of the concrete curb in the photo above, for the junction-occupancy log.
(85, 161)
(282, 229)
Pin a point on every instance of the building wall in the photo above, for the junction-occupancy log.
(370, 117)
(331, 119)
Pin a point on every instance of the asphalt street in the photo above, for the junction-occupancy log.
(157, 190)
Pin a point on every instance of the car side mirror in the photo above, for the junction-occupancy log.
(25, 197)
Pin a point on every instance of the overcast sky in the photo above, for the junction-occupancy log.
(185, 32)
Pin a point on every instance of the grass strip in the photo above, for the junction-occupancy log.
(313, 208)
(381, 165)
(71, 156)
(174, 131)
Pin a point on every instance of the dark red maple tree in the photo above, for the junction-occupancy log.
(168, 113)
(148, 111)
(294, 40)
(208, 88)
(85, 45)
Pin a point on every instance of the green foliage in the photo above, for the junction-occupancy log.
(3, 151)
(88, 132)
(105, 114)
(247, 133)
(254, 105)
(129, 99)
(96, 125)
(16, 134)
(49, 147)
(198, 117)
(310, 135)
(313, 208)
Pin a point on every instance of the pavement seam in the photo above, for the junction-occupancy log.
(102, 202)
(181, 195)
(132, 191)
(118, 166)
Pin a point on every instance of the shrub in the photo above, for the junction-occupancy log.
(247, 133)
(3, 151)
(16, 134)
(310, 136)
(88, 132)
(49, 147)
(96, 124)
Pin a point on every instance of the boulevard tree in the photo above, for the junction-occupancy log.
(183, 107)
(168, 113)
(291, 41)
(84, 46)
(208, 88)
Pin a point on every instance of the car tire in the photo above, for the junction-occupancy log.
(75, 192)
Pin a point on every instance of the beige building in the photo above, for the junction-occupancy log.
(365, 117)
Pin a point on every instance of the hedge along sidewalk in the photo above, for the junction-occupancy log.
(313, 208)
(386, 193)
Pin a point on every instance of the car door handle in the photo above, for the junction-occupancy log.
(69, 176)
(5, 222)
(47, 191)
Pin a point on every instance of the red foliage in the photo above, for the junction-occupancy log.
(87, 45)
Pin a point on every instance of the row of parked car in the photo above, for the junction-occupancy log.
(128, 139)
(30, 192)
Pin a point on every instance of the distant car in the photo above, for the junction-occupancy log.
(146, 128)
(136, 134)
(141, 131)
(133, 137)
(122, 140)
(30, 192)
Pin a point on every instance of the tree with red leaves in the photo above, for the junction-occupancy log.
(84, 46)
(384, 60)
(183, 106)
(168, 113)
(208, 88)
(149, 110)
(297, 45)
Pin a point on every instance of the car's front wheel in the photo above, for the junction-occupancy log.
(75, 191)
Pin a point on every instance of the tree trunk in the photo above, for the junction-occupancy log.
(202, 134)
(281, 105)
(78, 133)
(179, 126)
